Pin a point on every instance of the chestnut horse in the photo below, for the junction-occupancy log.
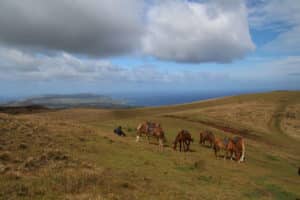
(207, 136)
(184, 139)
(151, 129)
(239, 148)
(234, 146)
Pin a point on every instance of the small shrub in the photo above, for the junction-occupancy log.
(5, 156)
(206, 179)
(273, 158)
(23, 146)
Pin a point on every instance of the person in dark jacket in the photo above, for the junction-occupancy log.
(119, 131)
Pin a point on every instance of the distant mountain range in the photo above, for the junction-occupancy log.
(69, 101)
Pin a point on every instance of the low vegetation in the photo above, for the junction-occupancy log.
(73, 153)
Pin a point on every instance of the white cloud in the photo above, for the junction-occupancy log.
(18, 65)
(282, 17)
(274, 14)
(93, 27)
(198, 32)
(285, 66)
(21, 65)
(270, 70)
(177, 30)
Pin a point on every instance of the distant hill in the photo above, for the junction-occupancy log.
(70, 101)
(23, 109)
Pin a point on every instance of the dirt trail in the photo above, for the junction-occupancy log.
(242, 132)
(278, 115)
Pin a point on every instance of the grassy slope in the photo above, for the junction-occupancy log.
(72, 154)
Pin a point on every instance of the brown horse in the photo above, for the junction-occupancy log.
(239, 148)
(218, 146)
(151, 129)
(234, 146)
(184, 139)
(207, 136)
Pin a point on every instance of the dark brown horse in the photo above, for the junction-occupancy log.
(151, 129)
(207, 136)
(233, 146)
(184, 139)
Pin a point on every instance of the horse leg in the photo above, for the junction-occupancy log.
(216, 151)
(148, 138)
(161, 144)
(238, 157)
(137, 138)
(180, 146)
(184, 146)
(242, 158)
(188, 146)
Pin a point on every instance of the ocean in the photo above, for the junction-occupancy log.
(161, 99)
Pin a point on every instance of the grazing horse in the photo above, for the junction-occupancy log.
(218, 146)
(207, 136)
(234, 146)
(184, 139)
(151, 129)
(239, 148)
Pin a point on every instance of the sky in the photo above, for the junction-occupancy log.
(133, 46)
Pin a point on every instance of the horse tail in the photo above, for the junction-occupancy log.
(201, 138)
(243, 151)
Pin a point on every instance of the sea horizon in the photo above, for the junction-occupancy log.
(147, 99)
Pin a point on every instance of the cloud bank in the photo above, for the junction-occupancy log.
(18, 65)
(184, 31)
(90, 27)
(179, 30)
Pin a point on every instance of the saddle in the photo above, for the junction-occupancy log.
(236, 139)
(226, 141)
(150, 126)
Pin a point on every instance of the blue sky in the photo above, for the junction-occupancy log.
(148, 46)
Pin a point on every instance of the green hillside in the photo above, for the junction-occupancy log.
(73, 154)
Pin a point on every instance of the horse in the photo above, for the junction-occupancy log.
(239, 148)
(218, 146)
(184, 139)
(207, 136)
(151, 129)
(146, 128)
(234, 146)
